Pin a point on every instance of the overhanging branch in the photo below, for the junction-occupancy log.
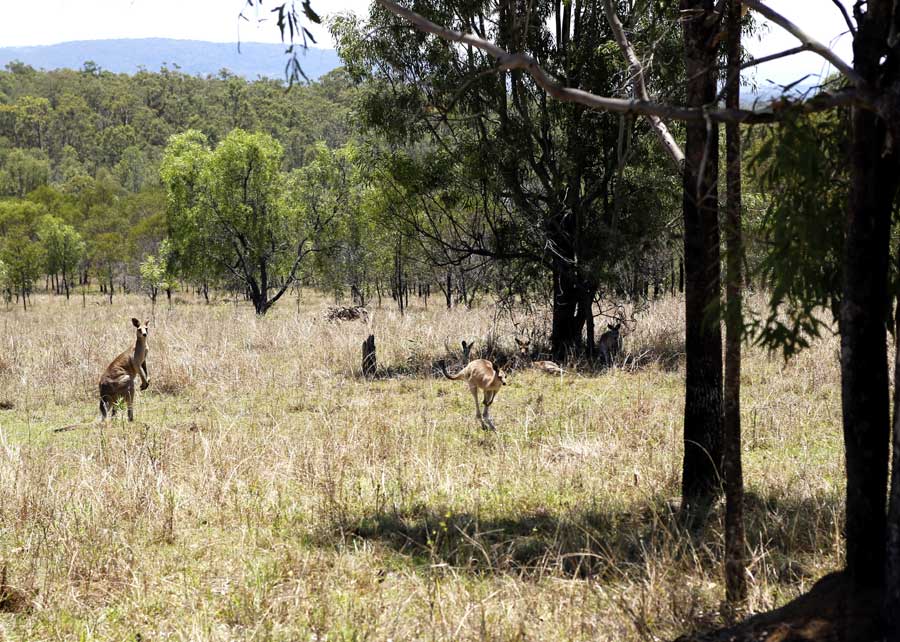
(509, 61)
(639, 85)
(813, 44)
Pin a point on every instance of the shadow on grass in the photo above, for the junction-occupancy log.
(784, 535)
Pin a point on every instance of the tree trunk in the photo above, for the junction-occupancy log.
(864, 380)
(703, 414)
(874, 170)
(449, 291)
(892, 579)
(735, 546)
(568, 320)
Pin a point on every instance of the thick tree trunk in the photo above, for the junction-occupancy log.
(568, 321)
(703, 418)
(874, 177)
(864, 380)
(735, 546)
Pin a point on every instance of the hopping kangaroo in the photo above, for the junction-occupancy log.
(480, 375)
(610, 343)
(549, 367)
(117, 381)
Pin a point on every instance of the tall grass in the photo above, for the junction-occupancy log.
(266, 491)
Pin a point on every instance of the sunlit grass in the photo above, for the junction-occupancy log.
(266, 491)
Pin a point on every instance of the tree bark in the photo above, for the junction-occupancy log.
(892, 579)
(703, 414)
(864, 306)
(735, 546)
(568, 320)
(864, 380)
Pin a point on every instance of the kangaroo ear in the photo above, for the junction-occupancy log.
(519, 343)
(147, 322)
(135, 322)
(464, 345)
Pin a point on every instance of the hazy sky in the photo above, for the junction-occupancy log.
(24, 22)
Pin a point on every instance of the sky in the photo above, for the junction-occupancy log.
(37, 22)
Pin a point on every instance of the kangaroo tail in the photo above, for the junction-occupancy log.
(447, 374)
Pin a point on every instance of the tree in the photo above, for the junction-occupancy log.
(63, 250)
(231, 202)
(703, 428)
(155, 271)
(735, 545)
(23, 258)
(23, 171)
(107, 254)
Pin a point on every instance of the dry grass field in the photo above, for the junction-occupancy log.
(265, 491)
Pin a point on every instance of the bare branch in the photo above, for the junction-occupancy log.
(775, 56)
(508, 61)
(813, 44)
(846, 15)
(639, 85)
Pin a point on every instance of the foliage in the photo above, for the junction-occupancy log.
(155, 271)
(64, 249)
(231, 203)
(23, 258)
(801, 167)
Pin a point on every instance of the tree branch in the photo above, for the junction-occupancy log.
(509, 61)
(639, 85)
(775, 56)
(846, 15)
(813, 44)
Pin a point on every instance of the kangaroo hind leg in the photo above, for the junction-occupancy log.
(488, 400)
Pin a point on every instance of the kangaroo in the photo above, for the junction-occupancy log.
(117, 381)
(466, 349)
(610, 343)
(548, 367)
(482, 375)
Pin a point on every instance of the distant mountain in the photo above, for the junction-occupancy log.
(192, 56)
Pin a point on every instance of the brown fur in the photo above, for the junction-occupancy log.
(548, 367)
(117, 381)
(480, 374)
(610, 343)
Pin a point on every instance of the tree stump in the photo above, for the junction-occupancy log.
(369, 362)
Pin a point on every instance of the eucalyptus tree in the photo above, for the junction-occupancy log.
(231, 212)
(23, 258)
(64, 250)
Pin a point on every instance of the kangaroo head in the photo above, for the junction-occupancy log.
(523, 346)
(141, 328)
(614, 328)
(467, 349)
(499, 374)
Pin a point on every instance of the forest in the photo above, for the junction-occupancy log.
(682, 303)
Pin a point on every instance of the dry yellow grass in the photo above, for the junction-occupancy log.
(266, 492)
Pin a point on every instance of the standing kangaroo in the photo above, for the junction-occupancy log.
(117, 381)
(480, 374)
(610, 343)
